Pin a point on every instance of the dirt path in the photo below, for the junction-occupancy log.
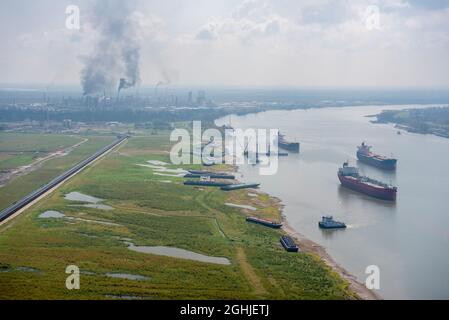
(249, 272)
(309, 246)
(36, 164)
(11, 218)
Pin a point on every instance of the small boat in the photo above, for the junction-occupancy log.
(289, 244)
(328, 222)
(267, 223)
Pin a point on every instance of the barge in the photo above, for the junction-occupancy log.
(289, 244)
(266, 223)
(206, 183)
(210, 175)
(239, 186)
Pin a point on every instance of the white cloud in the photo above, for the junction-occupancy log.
(251, 19)
(256, 42)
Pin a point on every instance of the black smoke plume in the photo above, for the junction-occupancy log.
(116, 54)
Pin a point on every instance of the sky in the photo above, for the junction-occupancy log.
(294, 43)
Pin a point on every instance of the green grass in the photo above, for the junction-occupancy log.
(23, 185)
(11, 161)
(19, 149)
(154, 213)
(32, 142)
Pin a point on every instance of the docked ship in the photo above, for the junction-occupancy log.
(328, 222)
(365, 155)
(349, 177)
(287, 145)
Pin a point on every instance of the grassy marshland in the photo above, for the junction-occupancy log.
(153, 212)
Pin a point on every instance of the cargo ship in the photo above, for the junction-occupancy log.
(349, 177)
(266, 223)
(287, 145)
(365, 155)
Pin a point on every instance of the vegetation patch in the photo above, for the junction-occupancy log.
(148, 212)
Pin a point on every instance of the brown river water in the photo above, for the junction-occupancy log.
(408, 240)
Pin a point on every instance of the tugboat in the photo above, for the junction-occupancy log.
(349, 178)
(365, 155)
(328, 222)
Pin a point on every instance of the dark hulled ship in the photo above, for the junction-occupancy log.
(288, 145)
(365, 155)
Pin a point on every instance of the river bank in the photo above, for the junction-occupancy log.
(379, 233)
(309, 246)
(422, 121)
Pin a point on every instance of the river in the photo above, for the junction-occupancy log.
(408, 240)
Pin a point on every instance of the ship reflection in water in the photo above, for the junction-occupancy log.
(348, 196)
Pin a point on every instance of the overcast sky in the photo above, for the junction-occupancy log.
(306, 43)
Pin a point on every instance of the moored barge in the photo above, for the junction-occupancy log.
(239, 186)
(289, 244)
(266, 223)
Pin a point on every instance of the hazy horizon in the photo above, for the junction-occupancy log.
(247, 43)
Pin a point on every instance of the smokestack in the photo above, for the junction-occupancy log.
(156, 88)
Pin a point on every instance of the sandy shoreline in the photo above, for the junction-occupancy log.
(308, 245)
